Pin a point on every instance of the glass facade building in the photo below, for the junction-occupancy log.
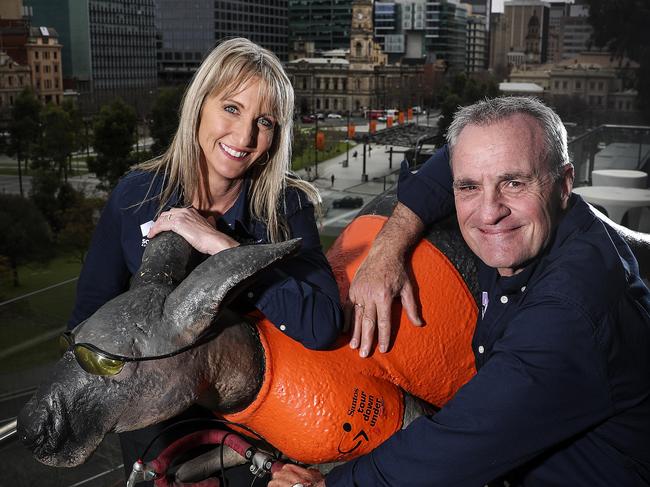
(326, 23)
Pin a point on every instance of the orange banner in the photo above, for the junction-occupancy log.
(409, 114)
(389, 122)
(400, 118)
(351, 131)
(320, 140)
(373, 126)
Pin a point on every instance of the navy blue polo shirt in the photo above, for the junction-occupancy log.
(562, 349)
(299, 295)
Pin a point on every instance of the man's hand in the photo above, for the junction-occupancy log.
(198, 231)
(293, 475)
(381, 278)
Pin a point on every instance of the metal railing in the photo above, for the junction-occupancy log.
(586, 148)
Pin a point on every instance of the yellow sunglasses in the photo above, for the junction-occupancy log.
(99, 362)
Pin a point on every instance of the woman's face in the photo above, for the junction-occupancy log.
(234, 132)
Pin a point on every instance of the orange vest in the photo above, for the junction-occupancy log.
(325, 406)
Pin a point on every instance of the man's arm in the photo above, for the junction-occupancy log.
(543, 384)
(424, 198)
(381, 277)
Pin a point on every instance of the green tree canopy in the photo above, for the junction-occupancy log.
(114, 134)
(24, 129)
(56, 142)
(461, 90)
(164, 118)
(78, 223)
(25, 236)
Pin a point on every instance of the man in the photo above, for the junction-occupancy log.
(562, 390)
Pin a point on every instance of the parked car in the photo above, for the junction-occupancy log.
(381, 118)
(319, 116)
(348, 202)
(307, 119)
(334, 115)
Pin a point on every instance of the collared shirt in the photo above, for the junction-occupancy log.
(562, 390)
(299, 295)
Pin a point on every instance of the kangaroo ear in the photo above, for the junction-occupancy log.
(157, 265)
(190, 308)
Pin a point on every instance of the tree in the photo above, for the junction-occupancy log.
(24, 129)
(114, 134)
(462, 91)
(78, 223)
(164, 118)
(622, 27)
(56, 141)
(25, 236)
(77, 129)
(52, 197)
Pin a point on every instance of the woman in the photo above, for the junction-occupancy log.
(224, 181)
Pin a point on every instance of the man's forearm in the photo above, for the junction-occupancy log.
(400, 233)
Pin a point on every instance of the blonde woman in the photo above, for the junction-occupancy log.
(224, 181)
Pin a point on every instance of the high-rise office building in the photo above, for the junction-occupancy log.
(477, 42)
(425, 30)
(187, 31)
(109, 47)
(326, 23)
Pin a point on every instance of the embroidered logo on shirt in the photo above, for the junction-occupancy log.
(484, 303)
(144, 229)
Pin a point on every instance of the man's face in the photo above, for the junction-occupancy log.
(507, 201)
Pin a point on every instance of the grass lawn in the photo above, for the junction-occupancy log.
(38, 314)
(307, 158)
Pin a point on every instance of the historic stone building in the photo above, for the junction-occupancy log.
(14, 78)
(364, 80)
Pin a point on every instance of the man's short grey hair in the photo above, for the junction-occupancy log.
(490, 111)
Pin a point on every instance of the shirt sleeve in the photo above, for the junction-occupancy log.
(429, 192)
(544, 382)
(300, 295)
(104, 274)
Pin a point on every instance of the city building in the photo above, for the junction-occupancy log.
(477, 42)
(14, 78)
(326, 23)
(427, 31)
(519, 36)
(595, 78)
(363, 81)
(34, 48)
(109, 47)
(187, 31)
(44, 60)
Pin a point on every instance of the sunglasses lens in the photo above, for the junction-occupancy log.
(94, 363)
(64, 344)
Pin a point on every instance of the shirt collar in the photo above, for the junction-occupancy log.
(238, 212)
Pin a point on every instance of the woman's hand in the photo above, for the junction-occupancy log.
(293, 475)
(198, 231)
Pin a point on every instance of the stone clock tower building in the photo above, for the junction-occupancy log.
(362, 80)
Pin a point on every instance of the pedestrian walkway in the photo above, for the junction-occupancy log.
(348, 170)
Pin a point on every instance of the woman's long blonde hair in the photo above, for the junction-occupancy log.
(230, 66)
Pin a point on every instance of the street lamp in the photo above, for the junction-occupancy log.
(347, 142)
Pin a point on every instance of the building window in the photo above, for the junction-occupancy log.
(358, 49)
(578, 85)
